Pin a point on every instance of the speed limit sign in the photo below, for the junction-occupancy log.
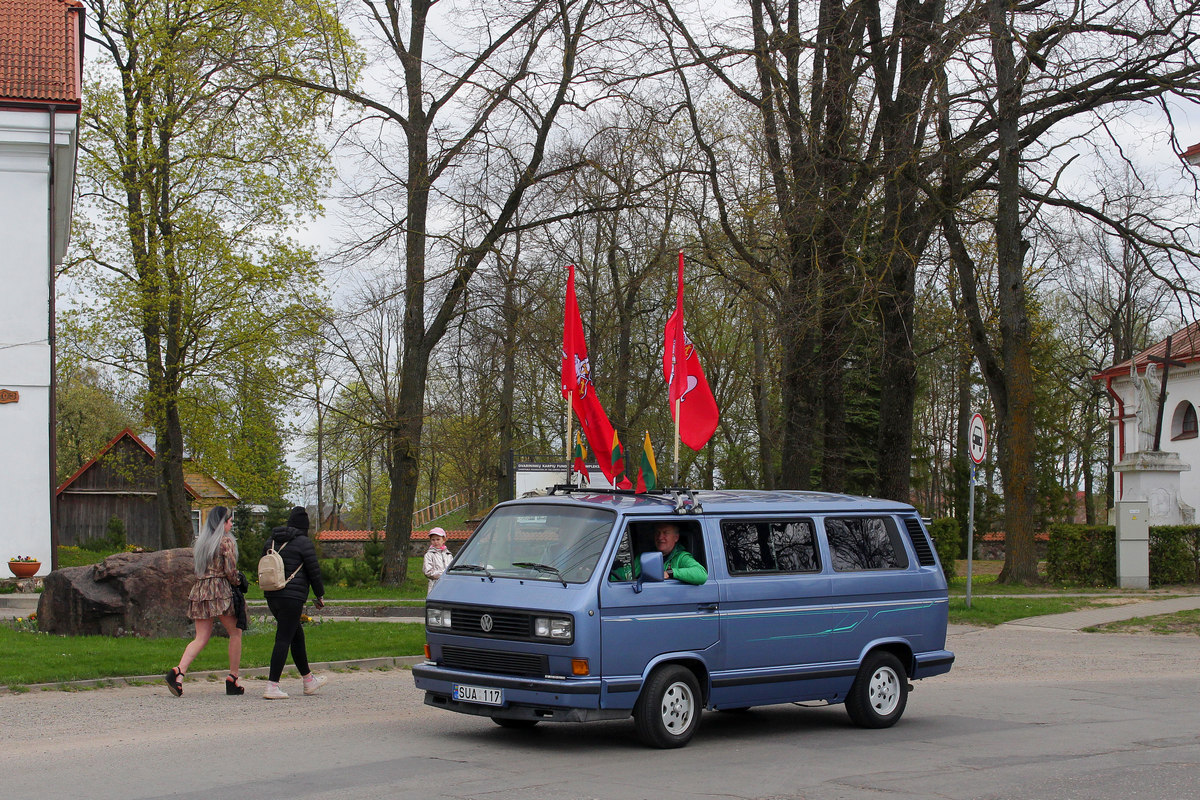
(977, 439)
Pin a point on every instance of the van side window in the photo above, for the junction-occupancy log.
(768, 546)
(862, 543)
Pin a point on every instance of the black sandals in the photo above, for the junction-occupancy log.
(175, 681)
(233, 687)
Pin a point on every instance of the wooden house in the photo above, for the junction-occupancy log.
(119, 482)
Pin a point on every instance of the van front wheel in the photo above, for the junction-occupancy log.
(668, 710)
(879, 693)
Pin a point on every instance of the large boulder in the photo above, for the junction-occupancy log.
(139, 594)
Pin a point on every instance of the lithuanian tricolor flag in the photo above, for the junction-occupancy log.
(620, 479)
(647, 475)
(580, 457)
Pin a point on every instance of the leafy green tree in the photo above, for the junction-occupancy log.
(89, 412)
(191, 180)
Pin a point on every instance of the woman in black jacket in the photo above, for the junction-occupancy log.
(287, 604)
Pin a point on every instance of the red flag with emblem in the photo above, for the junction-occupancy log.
(698, 412)
(577, 385)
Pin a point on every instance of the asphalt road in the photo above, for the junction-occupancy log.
(1025, 713)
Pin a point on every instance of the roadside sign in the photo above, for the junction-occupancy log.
(977, 439)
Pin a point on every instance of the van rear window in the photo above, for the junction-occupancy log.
(760, 546)
(864, 543)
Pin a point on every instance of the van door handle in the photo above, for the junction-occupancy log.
(707, 607)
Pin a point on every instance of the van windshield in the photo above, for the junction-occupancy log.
(548, 543)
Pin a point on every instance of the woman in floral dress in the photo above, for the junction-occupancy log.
(216, 555)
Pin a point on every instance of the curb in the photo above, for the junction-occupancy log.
(386, 662)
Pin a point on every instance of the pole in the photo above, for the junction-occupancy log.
(570, 466)
(678, 404)
(970, 534)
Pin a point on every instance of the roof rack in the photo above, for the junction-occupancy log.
(683, 498)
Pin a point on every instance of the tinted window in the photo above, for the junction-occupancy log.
(859, 543)
(763, 546)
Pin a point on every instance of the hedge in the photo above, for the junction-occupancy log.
(1087, 555)
(947, 538)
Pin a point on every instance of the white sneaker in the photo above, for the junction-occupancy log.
(273, 692)
(313, 683)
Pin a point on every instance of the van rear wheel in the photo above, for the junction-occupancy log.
(667, 712)
(879, 693)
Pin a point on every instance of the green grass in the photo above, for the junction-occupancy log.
(27, 657)
(1179, 622)
(989, 611)
(69, 556)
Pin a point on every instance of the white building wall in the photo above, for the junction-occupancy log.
(1183, 385)
(26, 479)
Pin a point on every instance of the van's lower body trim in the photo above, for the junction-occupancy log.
(781, 676)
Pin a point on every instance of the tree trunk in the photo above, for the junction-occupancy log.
(1016, 415)
(510, 314)
(766, 461)
(174, 508)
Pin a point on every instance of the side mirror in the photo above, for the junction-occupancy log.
(652, 569)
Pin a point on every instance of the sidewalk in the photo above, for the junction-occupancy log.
(1078, 620)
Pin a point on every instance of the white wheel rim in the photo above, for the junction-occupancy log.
(677, 708)
(884, 691)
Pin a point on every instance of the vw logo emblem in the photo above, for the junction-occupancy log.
(485, 622)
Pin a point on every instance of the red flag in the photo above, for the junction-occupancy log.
(698, 413)
(577, 384)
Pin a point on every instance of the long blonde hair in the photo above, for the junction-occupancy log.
(205, 548)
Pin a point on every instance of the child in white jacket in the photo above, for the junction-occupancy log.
(437, 557)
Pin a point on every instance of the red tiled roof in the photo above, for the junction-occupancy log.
(362, 536)
(1192, 154)
(998, 536)
(1185, 346)
(41, 52)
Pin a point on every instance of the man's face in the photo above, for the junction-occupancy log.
(665, 538)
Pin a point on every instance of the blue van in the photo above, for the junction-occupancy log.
(589, 605)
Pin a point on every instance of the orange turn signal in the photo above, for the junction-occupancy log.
(579, 666)
(428, 654)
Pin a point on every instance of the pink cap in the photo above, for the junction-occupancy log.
(437, 532)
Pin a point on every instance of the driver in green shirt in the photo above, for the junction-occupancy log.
(677, 562)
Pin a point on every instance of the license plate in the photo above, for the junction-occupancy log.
(478, 694)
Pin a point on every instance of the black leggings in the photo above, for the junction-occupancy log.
(289, 633)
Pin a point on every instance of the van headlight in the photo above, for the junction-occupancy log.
(437, 617)
(559, 629)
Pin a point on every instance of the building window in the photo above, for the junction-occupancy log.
(1183, 423)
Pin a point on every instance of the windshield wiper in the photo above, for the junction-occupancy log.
(473, 568)
(541, 568)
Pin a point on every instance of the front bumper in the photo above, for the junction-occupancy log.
(525, 697)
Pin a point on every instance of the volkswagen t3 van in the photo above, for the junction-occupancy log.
(565, 608)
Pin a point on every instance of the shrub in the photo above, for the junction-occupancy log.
(373, 555)
(1174, 554)
(113, 539)
(1082, 554)
(947, 538)
(250, 538)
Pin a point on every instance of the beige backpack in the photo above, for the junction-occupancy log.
(271, 574)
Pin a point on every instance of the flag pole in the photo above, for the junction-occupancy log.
(678, 404)
(570, 447)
